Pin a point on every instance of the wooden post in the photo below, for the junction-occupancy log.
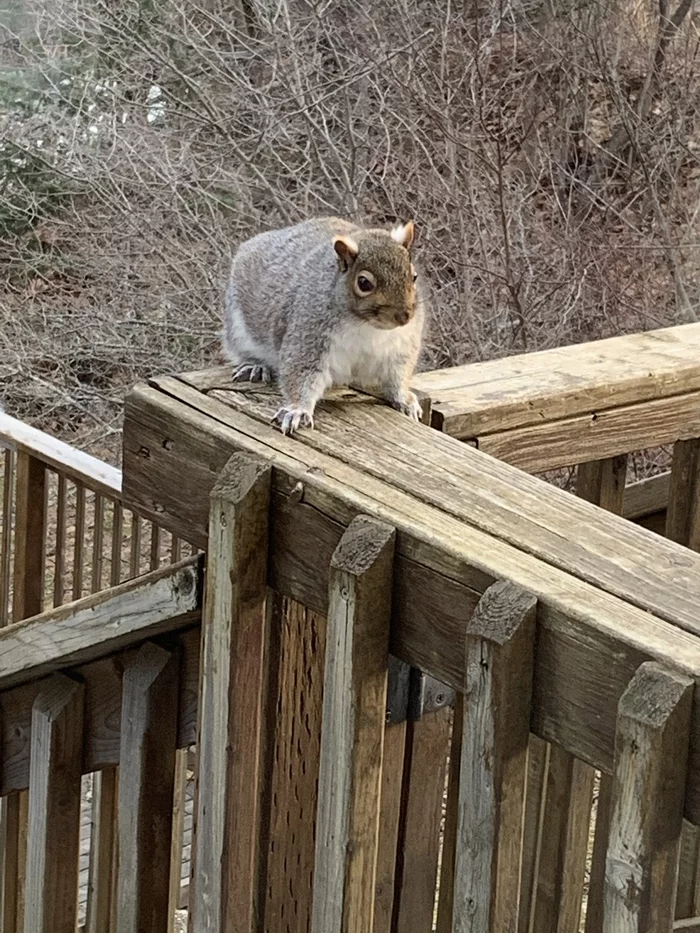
(560, 850)
(228, 893)
(352, 735)
(683, 526)
(103, 852)
(54, 808)
(495, 732)
(27, 599)
(146, 782)
(651, 751)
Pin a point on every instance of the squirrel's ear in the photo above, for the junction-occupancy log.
(403, 234)
(346, 249)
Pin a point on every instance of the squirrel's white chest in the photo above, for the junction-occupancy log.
(362, 353)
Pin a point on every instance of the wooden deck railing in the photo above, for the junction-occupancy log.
(64, 533)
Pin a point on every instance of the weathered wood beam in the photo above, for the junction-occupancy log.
(102, 623)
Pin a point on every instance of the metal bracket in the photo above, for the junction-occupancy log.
(411, 694)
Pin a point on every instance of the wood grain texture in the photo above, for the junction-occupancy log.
(227, 884)
(495, 733)
(54, 808)
(533, 825)
(418, 850)
(596, 883)
(553, 384)
(146, 782)
(103, 852)
(294, 723)
(352, 732)
(449, 839)
(392, 779)
(101, 624)
(589, 642)
(600, 434)
(651, 750)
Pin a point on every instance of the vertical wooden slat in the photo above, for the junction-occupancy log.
(6, 539)
(227, 883)
(103, 834)
(392, 780)
(60, 561)
(418, 850)
(98, 544)
(447, 868)
(135, 556)
(79, 546)
(533, 829)
(146, 783)
(27, 600)
(563, 800)
(352, 734)
(175, 549)
(154, 560)
(651, 750)
(299, 638)
(176, 841)
(54, 808)
(115, 569)
(495, 734)
(103, 852)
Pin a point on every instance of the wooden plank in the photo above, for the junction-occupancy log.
(600, 434)
(79, 542)
(562, 847)
(176, 844)
(449, 839)
(232, 772)
(527, 389)
(596, 884)
(147, 776)
(495, 734)
(8, 491)
(54, 808)
(103, 852)
(102, 623)
(418, 849)
(392, 779)
(647, 496)
(352, 734)
(651, 750)
(589, 642)
(535, 796)
(295, 725)
(71, 462)
(690, 925)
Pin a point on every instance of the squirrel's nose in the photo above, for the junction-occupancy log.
(402, 317)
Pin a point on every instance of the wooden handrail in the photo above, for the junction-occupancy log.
(59, 456)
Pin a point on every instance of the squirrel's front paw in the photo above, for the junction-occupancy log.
(409, 405)
(291, 419)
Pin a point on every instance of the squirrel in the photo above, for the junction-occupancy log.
(323, 303)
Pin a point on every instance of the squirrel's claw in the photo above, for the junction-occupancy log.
(252, 372)
(409, 405)
(291, 419)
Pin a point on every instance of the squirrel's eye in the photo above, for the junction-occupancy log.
(364, 284)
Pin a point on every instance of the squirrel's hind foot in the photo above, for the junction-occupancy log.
(252, 372)
(291, 419)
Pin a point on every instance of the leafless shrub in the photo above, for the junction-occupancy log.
(548, 151)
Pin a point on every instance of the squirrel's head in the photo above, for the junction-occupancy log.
(379, 275)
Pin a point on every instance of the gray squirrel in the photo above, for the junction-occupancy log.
(322, 303)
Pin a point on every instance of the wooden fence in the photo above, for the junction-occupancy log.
(64, 534)
(428, 690)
